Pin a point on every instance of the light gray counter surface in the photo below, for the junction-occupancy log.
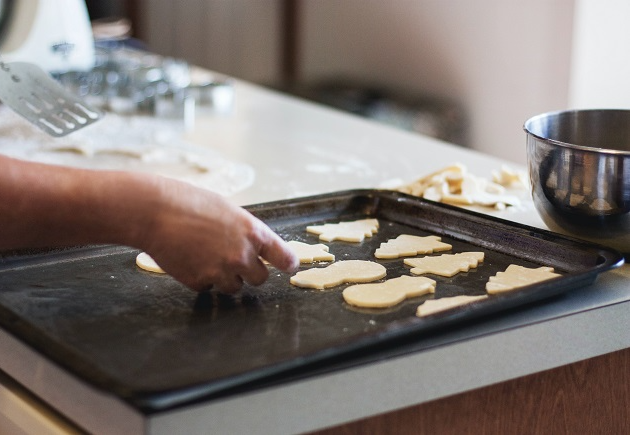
(298, 149)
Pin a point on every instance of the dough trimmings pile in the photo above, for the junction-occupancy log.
(311, 253)
(455, 185)
(406, 245)
(388, 293)
(339, 273)
(508, 177)
(446, 264)
(518, 276)
(352, 231)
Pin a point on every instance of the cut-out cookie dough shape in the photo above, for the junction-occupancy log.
(446, 264)
(146, 262)
(433, 306)
(406, 245)
(351, 231)
(518, 276)
(388, 293)
(338, 273)
(310, 253)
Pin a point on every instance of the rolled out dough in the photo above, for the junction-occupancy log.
(446, 264)
(338, 273)
(352, 231)
(518, 276)
(388, 293)
(311, 253)
(433, 306)
(146, 262)
(406, 245)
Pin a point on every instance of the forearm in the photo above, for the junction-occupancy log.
(46, 206)
(197, 236)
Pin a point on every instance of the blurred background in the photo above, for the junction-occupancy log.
(469, 72)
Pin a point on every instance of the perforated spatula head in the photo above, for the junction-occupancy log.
(36, 96)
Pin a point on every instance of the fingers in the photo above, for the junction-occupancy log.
(228, 254)
(256, 273)
(230, 281)
(277, 252)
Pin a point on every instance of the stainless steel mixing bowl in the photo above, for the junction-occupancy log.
(579, 166)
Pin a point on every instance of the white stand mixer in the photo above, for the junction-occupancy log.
(54, 34)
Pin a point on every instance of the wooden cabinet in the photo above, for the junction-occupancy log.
(587, 397)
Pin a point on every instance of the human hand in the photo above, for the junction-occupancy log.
(197, 236)
(203, 240)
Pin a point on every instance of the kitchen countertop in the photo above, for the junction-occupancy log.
(297, 148)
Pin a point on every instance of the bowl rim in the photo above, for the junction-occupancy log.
(571, 145)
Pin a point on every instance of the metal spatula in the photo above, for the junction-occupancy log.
(36, 96)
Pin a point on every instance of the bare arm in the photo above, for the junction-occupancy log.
(198, 237)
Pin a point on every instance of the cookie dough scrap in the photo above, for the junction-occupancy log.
(433, 306)
(455, 185)
(509, 177)
(406, 245)
(339, 273)
(450, 175)
(310, 253)
(479, 191)
(351, 231)
(518, 276)
(388, 293)
(446, 264)
(146, 262)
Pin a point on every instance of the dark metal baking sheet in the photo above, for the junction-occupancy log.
(152, 342)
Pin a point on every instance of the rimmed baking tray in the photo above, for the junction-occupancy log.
(157, 345)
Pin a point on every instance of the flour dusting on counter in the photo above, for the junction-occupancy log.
(131, 143)
(338, 163)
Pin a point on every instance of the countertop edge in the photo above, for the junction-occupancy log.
(400, 382)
